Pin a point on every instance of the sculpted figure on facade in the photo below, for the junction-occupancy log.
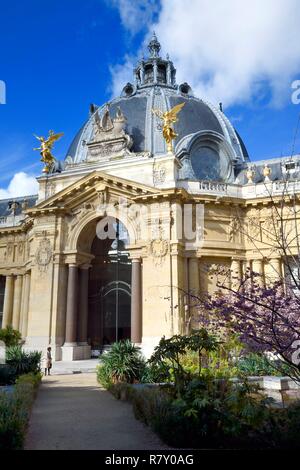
(110, 138)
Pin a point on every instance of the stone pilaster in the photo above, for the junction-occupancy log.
(194, 281)
(194, 287)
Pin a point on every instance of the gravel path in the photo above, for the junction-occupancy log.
(72, 412)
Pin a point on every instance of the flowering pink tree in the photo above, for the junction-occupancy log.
(267, 319)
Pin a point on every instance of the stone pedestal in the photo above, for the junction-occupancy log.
(75, 353)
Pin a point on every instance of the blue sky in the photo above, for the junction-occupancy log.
(58, 56)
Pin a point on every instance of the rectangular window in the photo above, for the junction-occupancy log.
(2, 291)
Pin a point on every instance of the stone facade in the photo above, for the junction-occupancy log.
(56, 276)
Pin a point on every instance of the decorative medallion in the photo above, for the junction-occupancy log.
(158, 249)
(44, 254)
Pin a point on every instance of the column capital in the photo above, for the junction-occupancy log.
(85, 267)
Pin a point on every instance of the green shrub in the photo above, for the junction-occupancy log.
(10, 337)
(7, 375)
(122, 391)
(169, 355)
(254, 364)
(122, 363)
(211, 414)
(23, 362)
(15, 411)
(288, 426)
(151, 406)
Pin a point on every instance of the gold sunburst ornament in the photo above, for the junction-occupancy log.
(169, 118)
(46, 150)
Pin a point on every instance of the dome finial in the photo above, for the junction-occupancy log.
(154, 46)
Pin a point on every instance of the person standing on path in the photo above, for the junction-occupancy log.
(48, 362)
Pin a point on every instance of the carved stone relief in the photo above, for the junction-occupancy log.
(159, 174)
(158, 249)
(44, 254)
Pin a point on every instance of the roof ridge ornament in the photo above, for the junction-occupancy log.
(154, 46)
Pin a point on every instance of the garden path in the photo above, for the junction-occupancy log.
(72, 412)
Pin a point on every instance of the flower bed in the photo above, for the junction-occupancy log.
(15, 410)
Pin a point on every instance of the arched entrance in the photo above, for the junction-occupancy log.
(104, 291)
(109, 302)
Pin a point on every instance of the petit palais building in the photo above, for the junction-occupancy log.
(102, 253)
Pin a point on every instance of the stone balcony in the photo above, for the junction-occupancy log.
(247, 191)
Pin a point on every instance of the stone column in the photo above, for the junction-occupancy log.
(72, 306)
(275, 270)
(17, 302)
(258, 268)
(169, 77)
(136, 301)
(236, 274)
(83, 305)
(142, 74)
(25, 305)
(155, 71)
(8, 301)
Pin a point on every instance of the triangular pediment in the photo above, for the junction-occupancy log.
(88, 187)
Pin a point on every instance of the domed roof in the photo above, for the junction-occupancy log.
(155, 88)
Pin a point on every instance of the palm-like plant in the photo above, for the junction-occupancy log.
(23, 362)
(123, 363)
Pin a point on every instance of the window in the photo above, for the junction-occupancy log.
(149, 74)
(2, 291)
(161, 74)
(205, 162)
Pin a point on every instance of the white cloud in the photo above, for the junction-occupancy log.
(121, 74)
(135, 14)
(230, 50)
(21, 184)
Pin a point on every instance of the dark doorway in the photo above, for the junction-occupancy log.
(110, 291)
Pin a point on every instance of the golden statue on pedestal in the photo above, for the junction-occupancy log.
(169, 118)
(45, 149)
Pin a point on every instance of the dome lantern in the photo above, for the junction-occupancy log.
(155, 70)
(154, 47)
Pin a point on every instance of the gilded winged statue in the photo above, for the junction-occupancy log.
(169, 118)
(45, 149)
